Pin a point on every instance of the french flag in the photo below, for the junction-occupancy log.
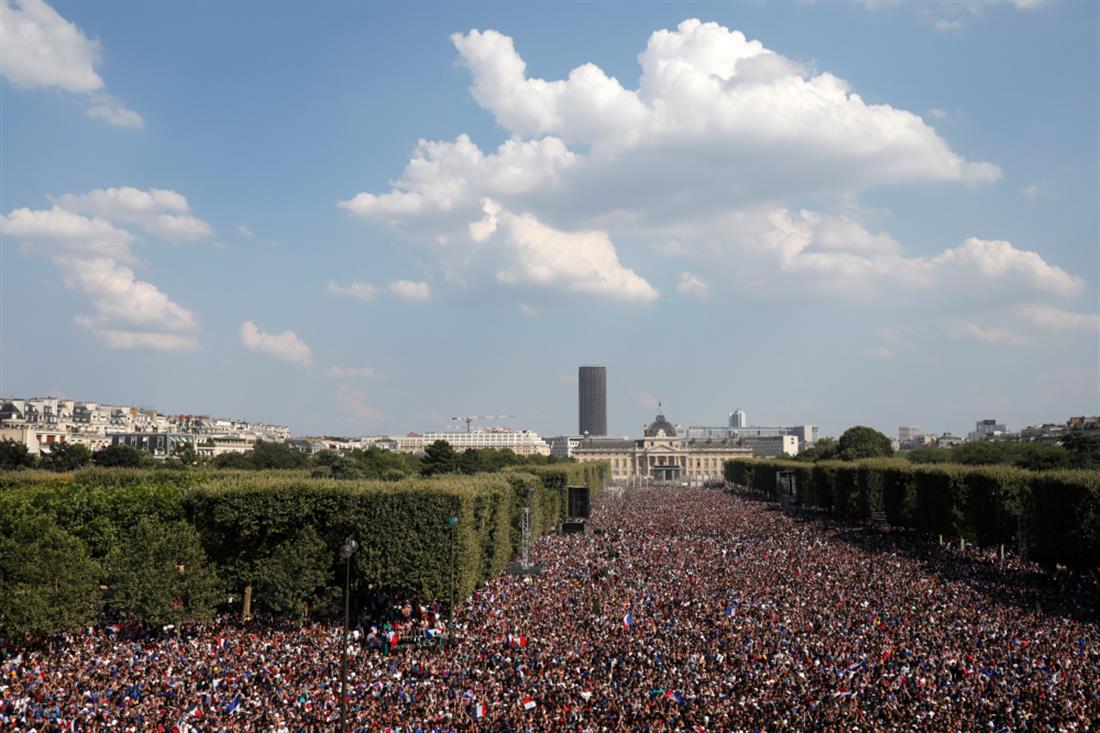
(528, 703)
(731, 609)
(221, 642)
(233, 705)
(628, 620)
(479, 711)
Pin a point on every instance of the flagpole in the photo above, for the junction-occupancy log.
(349, 548)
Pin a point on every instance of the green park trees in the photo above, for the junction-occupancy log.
(48, 583)
(863, 442)
(117, 456)
(14, 455)
(159, 574)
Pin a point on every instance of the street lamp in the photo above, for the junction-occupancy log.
(348, 549)
(452, 523)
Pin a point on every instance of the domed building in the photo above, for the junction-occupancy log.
(661, 455)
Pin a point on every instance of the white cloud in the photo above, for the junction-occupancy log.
(154, 341)
(117, 295)
(160, 212)
(693, 286)
(838, 256)
(949, 25)
(354, 401)
(245, 231)
(880, 352)
(42, 49)
(1052, 318)
(112, 111)
(39, 49)
(528, 310)
(362, 291)
(986, 334)
(81, 239)
(534, 253)
(408, 290)
(285, 346)
(339, 372)
(937, 113)
(57, 231)
(1029, 4)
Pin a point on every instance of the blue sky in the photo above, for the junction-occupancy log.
(875, 213)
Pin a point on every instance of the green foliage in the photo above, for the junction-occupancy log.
(1061, 509)
(279, 531)
(65, 457)
(1083, 449)
(439, 458)
(825, 449)
(293, 577)
(863, 442)
(159, 574)
(265, 455)
(117, 456)
(48, 584)
(239, 461)
(1032, 456)
(14, 455)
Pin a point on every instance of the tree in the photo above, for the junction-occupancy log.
(66, 457)
(48, 583)
(117, 456)
(824, 449)
(185, 453)
(1083, 449)
(276, 455)
(233, 460)
(14, 454)
(159, 574)
(863, 442)
(294, 576)
(439, 457)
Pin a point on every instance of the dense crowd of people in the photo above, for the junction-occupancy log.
(678, 610)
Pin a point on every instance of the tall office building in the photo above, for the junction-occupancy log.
(738, 419)
(592, 391)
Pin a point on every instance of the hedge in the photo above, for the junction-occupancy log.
(247, 519)
(981, 503)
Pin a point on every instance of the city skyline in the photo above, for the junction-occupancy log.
(820, 214)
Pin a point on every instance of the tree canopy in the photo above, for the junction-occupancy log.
(863, 442)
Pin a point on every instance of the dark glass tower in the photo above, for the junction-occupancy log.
(592, 390)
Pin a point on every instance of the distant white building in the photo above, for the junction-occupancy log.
(908, 433)
(520, 442)
(562, 446)
(771, 445)
(738, 418)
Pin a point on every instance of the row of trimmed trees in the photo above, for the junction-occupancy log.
(161, 547)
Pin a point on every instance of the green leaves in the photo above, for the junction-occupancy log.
(159, 574)
(48, 584)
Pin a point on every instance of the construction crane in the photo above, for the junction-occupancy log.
(468, 419)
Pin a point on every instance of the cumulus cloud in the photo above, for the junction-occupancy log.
(361, 291)
(117, 295)
(409, 290)
(245, 231)
(160, 212)
(530, 252)
(112, 111)
(43, 50)
(692, 286)
(987, 334)
(1052, 318)
(285, 346)
(81, 236)
(837, 255)
(56, 231)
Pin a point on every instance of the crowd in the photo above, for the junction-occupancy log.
(678, 610)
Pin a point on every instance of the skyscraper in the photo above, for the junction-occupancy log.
(592, 391)
(738, 419)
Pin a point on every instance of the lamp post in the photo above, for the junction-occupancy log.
(349, 548)
(452, 523)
